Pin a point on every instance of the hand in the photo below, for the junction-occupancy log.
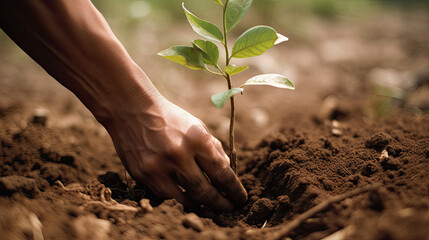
(165, 147)
(160, 144)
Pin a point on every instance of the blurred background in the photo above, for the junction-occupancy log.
(348, 58)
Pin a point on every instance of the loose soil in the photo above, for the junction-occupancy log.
(285, 174)
(60, 177)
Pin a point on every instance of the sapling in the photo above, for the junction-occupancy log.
(205, 53)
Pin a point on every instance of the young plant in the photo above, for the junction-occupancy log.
(205, 53)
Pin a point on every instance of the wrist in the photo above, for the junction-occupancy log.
(133, 96)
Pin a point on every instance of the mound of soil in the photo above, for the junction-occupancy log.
(285, 174)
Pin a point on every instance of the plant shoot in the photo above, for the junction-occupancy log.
(204, 55)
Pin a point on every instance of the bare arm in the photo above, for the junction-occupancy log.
(160, 144)
(73, 43)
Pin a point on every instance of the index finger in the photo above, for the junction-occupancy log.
(216, 165)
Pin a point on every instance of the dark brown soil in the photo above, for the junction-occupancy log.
(285, 174)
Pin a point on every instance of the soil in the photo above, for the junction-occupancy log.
(60, 177)
(285, 174)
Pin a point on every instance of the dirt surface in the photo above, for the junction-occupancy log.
(286, 174)
(60, 177)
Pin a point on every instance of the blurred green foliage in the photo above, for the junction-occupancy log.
(290, 15)
(127, 14)
(268, 9)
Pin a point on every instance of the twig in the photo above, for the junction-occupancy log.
(115, 207)
(59, 183)
(70, 188)
(284, 231)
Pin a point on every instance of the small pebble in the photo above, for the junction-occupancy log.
(40, 116)
(384, 155)
(191, 220)
(336, 132)
(145, 205)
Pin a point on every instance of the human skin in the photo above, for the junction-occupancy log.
(161, 145)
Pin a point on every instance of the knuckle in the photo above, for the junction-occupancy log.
(202, 126)
(205, 134)
(224, 174)
(199, 136)
(205, 194)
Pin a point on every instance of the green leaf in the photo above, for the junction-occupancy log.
(235, 11)
(187, 56)
(218, 2)
(220, 99)
(233, 69)
(209, 50)
(274, 80)
(254, 42)
(203, 28)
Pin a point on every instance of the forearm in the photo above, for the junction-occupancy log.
(74, 44)
(161, 145)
